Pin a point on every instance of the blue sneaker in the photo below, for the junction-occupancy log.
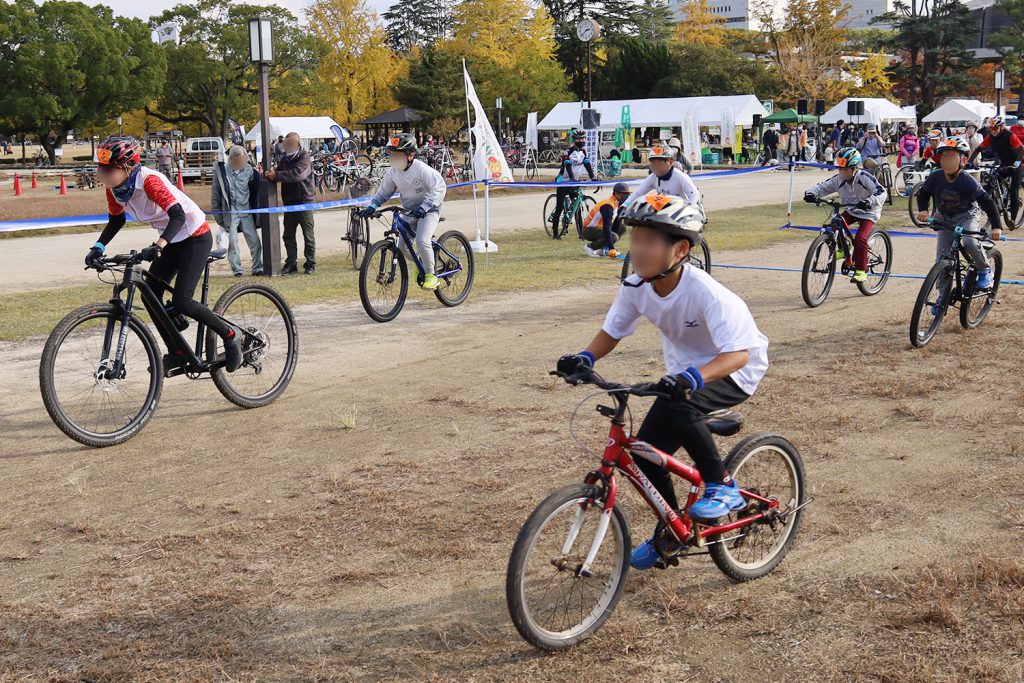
(718, 500)
(985, 279)
(644, 556)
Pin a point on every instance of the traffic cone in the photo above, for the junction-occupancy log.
(34, 185)
(63, 186)
(181, 183)
(17, 186)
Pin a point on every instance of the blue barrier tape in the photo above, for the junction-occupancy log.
(893, 233)
(800, 270)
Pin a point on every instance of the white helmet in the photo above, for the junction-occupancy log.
(668, 213)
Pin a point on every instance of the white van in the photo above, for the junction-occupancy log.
(201, 154)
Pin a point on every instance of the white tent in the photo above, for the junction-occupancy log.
(308, 128)
(652, 113)
(876, 110)
(961, 110)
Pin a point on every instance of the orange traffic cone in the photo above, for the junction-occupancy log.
(17, 186)
(181, 183)
(34, 185)
(63, 186)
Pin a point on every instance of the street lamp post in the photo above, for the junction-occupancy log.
(1000, 81)
(261, 53)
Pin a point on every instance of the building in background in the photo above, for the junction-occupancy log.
(738, 14)
(863, 12)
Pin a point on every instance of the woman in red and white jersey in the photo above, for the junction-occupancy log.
(185, 241)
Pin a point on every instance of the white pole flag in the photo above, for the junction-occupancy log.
(531, 131)
(488, 160)
(168, 33)
(691, 138)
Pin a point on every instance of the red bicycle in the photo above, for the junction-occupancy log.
(570, 560)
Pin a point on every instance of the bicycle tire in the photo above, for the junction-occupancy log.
(740, 455)
(466, 259)
(971, 321)
(50, 392)
(358, 239)
(549, 209)
(872, 287)
(392, 267)
(253, 363)
(918, 338)
(811, 261)
(516, 582)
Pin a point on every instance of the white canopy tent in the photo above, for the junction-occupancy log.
(961, 110)
(657, 112)
(876, 110)
(308, 128)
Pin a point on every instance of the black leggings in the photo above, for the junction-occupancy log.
(562, 193)
(670, 425)
(187, 259)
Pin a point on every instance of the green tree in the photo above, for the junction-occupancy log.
(702, 70)
(932, 45)
(433, 85)
(209, 76)
(633, 67)
(418, 23)
(65, 66)
(1009, 42)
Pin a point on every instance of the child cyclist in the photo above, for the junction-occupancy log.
(714, 354)
(421, 190)
(574, 162)
(957, 197)
(183, 247)
(863, 196)
(665, 178)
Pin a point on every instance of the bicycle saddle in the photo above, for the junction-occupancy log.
(724, 422)
(217, 254)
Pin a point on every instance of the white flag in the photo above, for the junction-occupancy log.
(691, 138)
(488, 159)
(531, 130)
(168, 33)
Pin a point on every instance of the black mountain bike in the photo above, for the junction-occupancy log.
(102, 372)
(358, 237)
(997, 183)
(819, 271)
(952, 282)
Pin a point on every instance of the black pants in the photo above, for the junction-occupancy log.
(292, 220)
(770, 152)
(185, 261)
(561, 193)
(1015, 182)
(599, 237)
(670, 425)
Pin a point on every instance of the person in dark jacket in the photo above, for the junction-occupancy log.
(295, 174)
(236, 188)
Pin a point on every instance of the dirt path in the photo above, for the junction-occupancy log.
(358, 528)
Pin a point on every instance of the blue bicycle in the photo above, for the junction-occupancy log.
(384, 274)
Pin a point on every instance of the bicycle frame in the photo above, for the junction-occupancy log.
(134, 280)
(619, 455)
(401, 227)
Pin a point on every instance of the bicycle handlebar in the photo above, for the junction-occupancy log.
(105, 262)
(938, 224)
(589, 376)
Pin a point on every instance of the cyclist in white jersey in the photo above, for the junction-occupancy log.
(665, 178)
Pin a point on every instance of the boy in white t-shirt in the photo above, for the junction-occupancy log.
(714, 354)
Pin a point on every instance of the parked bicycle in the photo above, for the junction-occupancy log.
(570, 560)
(952, 281)
(384, 274)
(575, 207)
(357, 234)
(819, 270)
(998, 183)
(101, 372)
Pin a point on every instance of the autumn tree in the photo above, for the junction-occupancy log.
(698, 25)
(358, 69)
(871, 76)
(509, 47)
(807, 46)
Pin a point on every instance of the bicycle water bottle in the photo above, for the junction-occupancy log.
(179, 320)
